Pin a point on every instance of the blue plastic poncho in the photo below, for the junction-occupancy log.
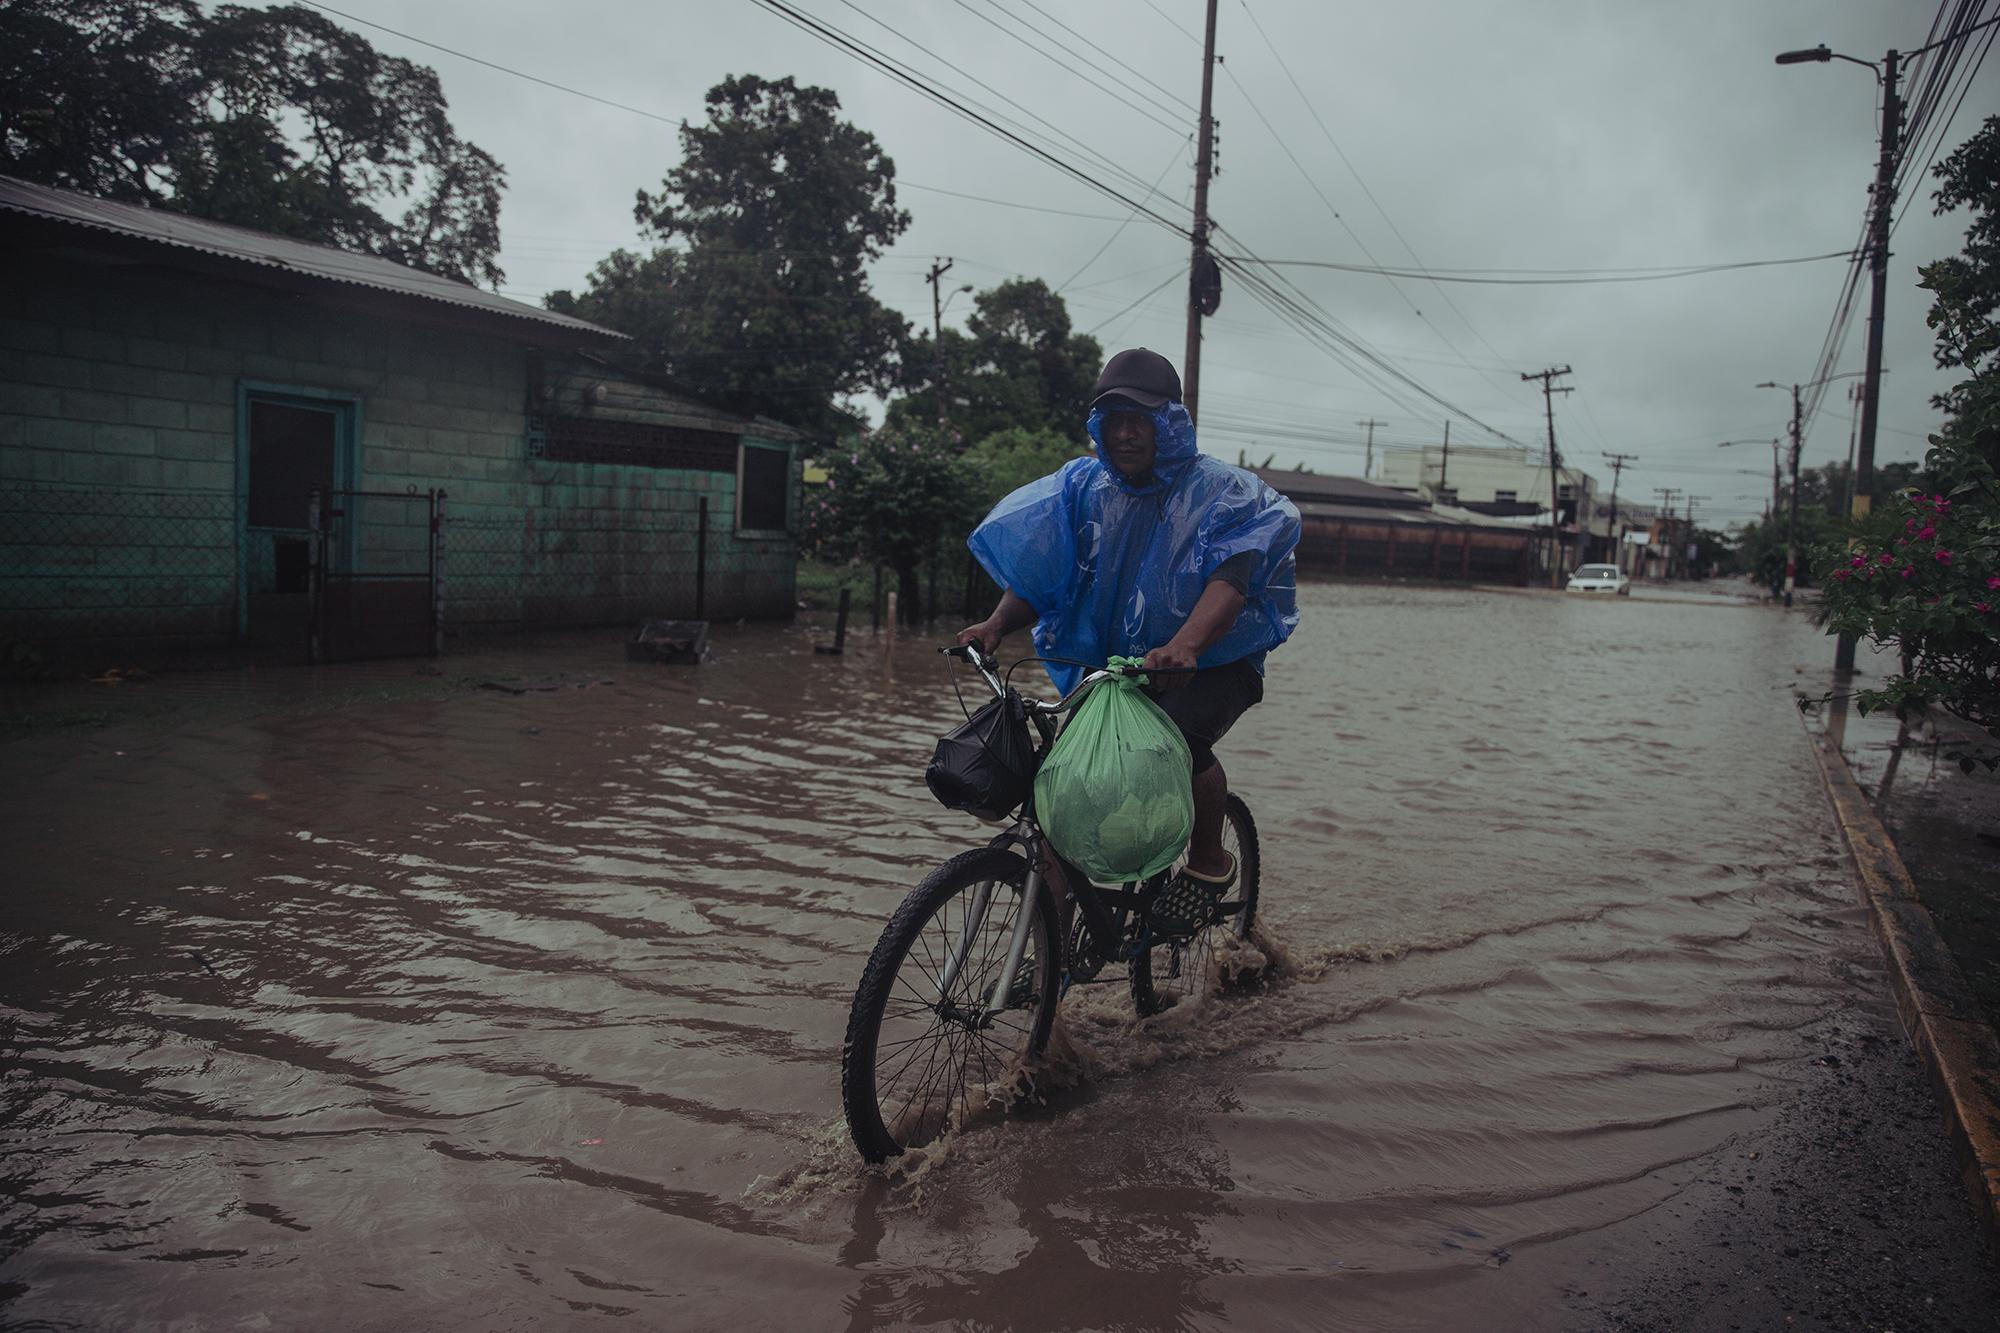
(1115, 569)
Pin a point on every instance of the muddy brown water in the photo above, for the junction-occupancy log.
(328, 1005)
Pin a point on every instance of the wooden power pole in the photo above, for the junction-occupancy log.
(939, 267)
(1204, 281)
(1368, 460)
(1555, 465)
(1618, 462)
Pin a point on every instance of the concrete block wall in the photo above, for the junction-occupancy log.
(118, 466)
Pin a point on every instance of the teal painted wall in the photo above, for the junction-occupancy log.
(119, 472)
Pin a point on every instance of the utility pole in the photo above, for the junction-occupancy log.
(1368, 465)
(1555, 462)
(1444, 468)
(1618, 462)
(939, 267)
(1667, 494)
(1777, 485)
(1204, 280)
(1792, 523)
(1692, 539)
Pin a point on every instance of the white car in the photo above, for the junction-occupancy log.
(1599, 578)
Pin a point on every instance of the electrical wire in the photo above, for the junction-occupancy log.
(1634, 275)
(842, 42)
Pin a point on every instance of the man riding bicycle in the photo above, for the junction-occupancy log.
(1151, 549)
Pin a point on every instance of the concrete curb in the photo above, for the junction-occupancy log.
(1944, 1024)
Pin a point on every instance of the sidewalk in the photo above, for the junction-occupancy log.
(1925, 839)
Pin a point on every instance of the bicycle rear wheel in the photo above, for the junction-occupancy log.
(918, 1057)
(1167, 974)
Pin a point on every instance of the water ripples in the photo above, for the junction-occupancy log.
(476, 1008)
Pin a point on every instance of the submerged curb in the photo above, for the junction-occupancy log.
(1944, 1024)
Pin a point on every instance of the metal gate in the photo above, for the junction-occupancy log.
(376, 574)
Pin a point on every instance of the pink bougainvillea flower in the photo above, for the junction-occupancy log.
(1942, 556)
(1859, 560)
(1994, 582)
(1909, 525)
(1983, 608)
(1888, 559)
(1841, 574)
(1926, 532)
(1909, 571)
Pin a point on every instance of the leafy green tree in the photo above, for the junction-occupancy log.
(277, 118)
(99, 96)
(1007, 460)
(1019, 364)
(756, 294)
(893, 496)
(1926, 576)
(1760, 545)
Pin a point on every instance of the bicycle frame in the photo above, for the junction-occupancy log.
(1104, 910)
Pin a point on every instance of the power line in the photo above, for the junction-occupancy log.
(1092, 79)
(1632, 275)
(1102, 162)
(1394, 230)
(842, 42)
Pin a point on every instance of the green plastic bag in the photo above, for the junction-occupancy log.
(1114, 794)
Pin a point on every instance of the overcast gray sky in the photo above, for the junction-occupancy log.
(1535, 134)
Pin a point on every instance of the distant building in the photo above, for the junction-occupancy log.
(1352, 526)
(1505, 481)
(175, 392)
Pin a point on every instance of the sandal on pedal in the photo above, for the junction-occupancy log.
(1186, 903)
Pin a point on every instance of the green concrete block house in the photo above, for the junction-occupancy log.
(216, 436)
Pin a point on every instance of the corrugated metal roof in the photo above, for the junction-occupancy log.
(265, 250)
(1343, 490)
(1425, 517)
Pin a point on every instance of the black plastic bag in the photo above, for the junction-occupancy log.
(985, 766)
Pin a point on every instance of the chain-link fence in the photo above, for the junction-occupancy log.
(507, 567)
(79, 568)
(374, 574)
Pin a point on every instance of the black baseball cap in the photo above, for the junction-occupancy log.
(1141, 375)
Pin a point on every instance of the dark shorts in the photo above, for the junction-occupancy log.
(1208, 705)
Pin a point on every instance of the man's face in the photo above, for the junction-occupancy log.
(1130, 444)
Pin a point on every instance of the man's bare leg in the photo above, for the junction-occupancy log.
(1211, 793)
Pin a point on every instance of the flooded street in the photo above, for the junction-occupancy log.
(446, 1007)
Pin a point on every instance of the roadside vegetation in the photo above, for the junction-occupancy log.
(1922, 575)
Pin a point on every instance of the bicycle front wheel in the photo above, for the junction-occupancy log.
(1167, 974)
(924, 1044)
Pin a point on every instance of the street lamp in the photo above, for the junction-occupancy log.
(937, 340)
(1770, 514)
(1883, 198)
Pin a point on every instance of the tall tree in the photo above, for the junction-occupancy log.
(1017, 365)
(278, 119)
(756, 294)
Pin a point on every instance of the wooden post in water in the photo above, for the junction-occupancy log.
(839, 644)
(701, 560)
(889, 644)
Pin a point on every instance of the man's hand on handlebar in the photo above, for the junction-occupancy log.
(985, 634)
(1174, 662)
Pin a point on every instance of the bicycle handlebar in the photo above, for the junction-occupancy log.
(985, 665)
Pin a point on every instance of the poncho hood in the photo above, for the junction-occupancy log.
(1115, 569)
(1173, 440)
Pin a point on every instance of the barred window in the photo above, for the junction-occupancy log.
(639, 444)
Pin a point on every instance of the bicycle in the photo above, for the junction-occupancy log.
(960, 992)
